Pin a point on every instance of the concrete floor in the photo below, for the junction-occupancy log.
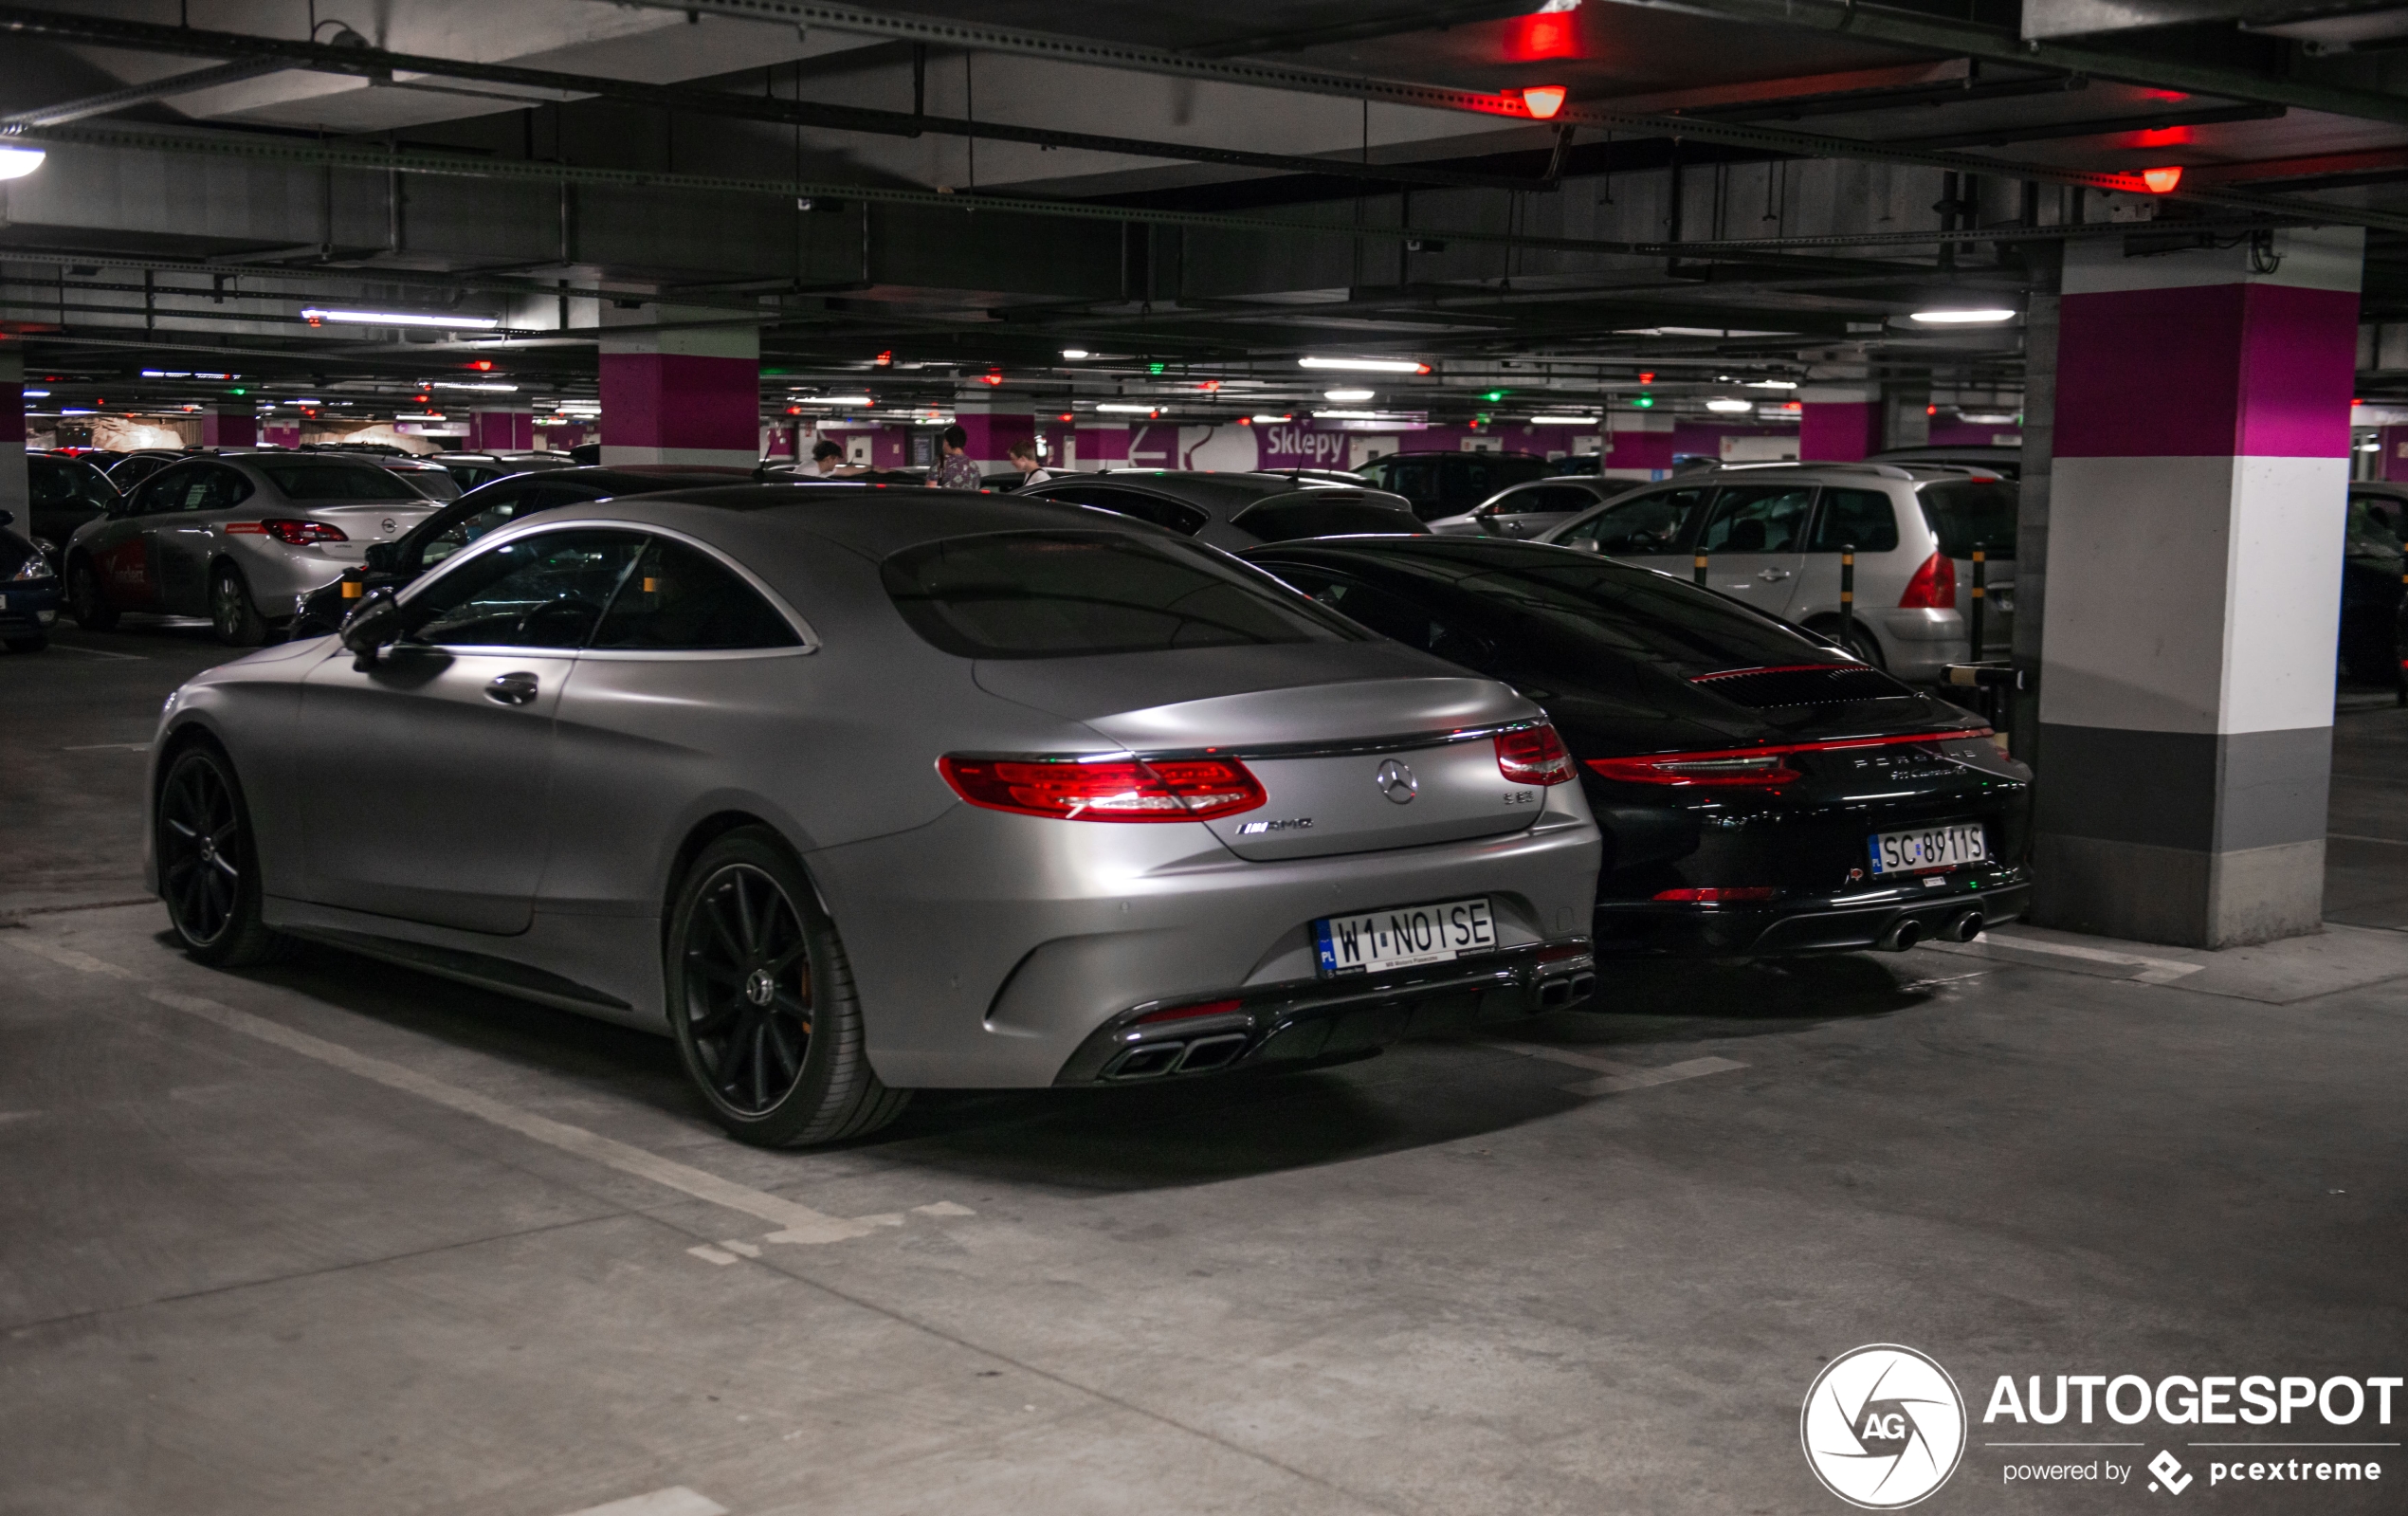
(333, 1237)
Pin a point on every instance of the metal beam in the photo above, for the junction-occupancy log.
(2106, 126)
(376, 64)
(199, 79)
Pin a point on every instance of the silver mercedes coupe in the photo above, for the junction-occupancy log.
(856, 792)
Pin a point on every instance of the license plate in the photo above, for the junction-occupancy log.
(1914, 852)
(1404, 936)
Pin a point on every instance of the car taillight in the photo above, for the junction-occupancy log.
(1186, 788)
(1534, 755)
(291, 533)
(1934, 586)
(1759, 770)
(1717, 894)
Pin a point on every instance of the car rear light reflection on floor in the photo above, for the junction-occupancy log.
(1076, 789)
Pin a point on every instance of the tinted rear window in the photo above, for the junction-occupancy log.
(314, 481)
(1072, 594)
(1294, 516)
(1637, 615)
(1970, 515)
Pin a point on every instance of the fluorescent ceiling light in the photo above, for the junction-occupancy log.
(1564, 421)
(1074, 353)
(16, 163)
(1357, 415)
(427, 415)
(1130, 410)
(72, 412)
(166, 374)
(1971, 418)
(1772, 384)
(1730, 407)
(836, 400)
(481, 388)
(1260, 421)
(1989, 317)
(1346, 394)
(37, 394)
(304, 400)
(465, 323)
(1366, 365)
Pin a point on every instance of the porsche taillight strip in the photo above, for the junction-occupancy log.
(1827, 745)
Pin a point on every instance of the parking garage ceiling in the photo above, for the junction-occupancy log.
(1576, 202)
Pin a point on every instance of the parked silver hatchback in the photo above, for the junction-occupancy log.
(227, 535)
(852, 795)
(1773, 534)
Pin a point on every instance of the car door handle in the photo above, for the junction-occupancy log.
(513, 690)
(1772, 576)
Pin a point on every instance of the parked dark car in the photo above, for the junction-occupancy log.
(64, 493)
(1232, 510)
(2371, 644)
(1525, 510)
(481, 510)
(29, 591)
(1760, 792)
(473, 468)
(1450, 483)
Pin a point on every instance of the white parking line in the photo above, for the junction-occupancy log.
(95, 652)
(675, 1501)
(2352, 837)
(1618, 1076)
(109, 747)
(798, 1223)
(2153, 970)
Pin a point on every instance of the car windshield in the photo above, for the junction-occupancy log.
(1073, 595)
(1642, 615)
(1975, 513)
(334, 481)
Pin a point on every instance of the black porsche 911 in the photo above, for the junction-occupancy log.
(1760, 791)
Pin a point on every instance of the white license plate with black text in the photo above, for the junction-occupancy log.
(1913, 852)
(1404, 936)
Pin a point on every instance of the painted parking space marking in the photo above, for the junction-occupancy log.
(2153, 970)
(675, 1501)
(2352, 837)
(797, 1223)
(712, 1256)
(1618, 1076)
(95, 652)
(109, 747)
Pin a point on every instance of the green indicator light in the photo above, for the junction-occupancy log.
(238, 391)
(1154, 368)
(1496, 394)
(1644, 402)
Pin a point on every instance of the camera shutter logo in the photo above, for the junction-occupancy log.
(1882, 1426)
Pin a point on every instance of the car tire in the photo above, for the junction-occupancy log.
(33, 644)
(87, 602)
(208, 862)
(231, 614)
(760, 1000)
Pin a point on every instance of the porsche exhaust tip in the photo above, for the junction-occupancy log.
(1966, 928)
(1901, 936)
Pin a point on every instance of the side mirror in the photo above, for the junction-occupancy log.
(380, 557)
(368, 631)
(1588, 544)
(7, 518)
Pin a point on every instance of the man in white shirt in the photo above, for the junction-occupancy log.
(1024, 458)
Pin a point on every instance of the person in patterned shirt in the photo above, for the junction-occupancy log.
(955, 471)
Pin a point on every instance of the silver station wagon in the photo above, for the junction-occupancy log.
(853, 794)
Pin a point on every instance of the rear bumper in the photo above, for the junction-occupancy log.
(1302, 1021)
(1837, 924)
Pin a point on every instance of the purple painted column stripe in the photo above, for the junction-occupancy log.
(2260, 370)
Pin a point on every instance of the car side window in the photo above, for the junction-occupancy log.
(1758, 519)
(1534, 499)
(1416, 479)
(1642, 526)
(1184, 518)
(163, 491)
(679, 597)
(1862, 516)
(2378, 525)
(505, 507)
(544, 590)
(1392, 615)
(220, 489)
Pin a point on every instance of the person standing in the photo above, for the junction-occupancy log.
(955, 471)
(1024, 458)
(828, 460)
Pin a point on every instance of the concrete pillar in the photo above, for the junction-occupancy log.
(16, 494)
(501, 430)
(1906, 413)
(1638, 444)
(233, 425)
(2196, 516)
(1839, 424)
(993, 427)
(676, 394)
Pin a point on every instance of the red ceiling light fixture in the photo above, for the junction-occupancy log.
(992, 377)
(2162, 181)
(1543, 101)
(884, 359)
(482, 365)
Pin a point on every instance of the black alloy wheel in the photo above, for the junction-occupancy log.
(763, 1004)
(208, 866)
(86, 601)
(237, 621)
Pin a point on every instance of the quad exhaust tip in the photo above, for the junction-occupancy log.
(1966, 928)
(1901, 936)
